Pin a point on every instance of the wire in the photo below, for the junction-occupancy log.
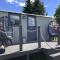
(48, 44)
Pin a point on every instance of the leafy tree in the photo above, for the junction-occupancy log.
(36, 7)
(28, 7)
(57, 14)
(57, 17)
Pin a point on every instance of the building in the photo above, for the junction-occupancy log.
(13, 21)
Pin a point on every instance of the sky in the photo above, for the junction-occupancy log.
(17, 5)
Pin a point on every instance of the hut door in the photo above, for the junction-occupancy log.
(31, 30)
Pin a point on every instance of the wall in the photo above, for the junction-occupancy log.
(24, 27)
(24, 30)
(43, 23)
(15, 35)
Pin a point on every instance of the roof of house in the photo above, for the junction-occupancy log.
(27, 14)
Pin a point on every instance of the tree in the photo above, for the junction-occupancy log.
(57, 17)
(28, 7)
(36, 7)
(57, 14)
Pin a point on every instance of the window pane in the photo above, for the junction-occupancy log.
(14, 20)
(31, 21)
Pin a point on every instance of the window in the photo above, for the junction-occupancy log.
(14, 20)
(31, 21)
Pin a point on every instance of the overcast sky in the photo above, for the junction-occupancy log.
(17, 5)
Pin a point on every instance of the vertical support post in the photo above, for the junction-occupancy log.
(20, 35)
(27, 57)
(38, 37)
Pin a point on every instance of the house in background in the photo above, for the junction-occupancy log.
(11, 23)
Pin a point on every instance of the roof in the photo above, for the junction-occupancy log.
(28, 14)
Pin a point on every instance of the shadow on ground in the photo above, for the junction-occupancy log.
(35, 56)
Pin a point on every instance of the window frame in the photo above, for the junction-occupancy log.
(14, 14)
(35, 22)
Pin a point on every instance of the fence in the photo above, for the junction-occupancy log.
(37, 29)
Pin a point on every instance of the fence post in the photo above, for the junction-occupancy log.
(20, 38)
(38, 37)
(27, 56)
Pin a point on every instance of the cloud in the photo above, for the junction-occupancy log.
(10, 1)
(46, 6)
(16, 2)
(21, 4)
